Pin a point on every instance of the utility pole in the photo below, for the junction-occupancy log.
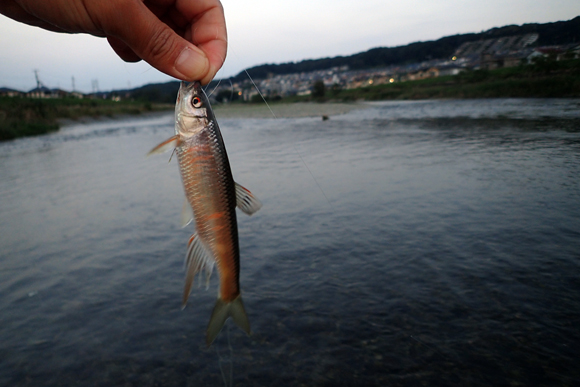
(95, 84)
(38, 83)
(73, 83)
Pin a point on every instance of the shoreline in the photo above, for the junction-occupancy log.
(286, 109)
(88, 119)
(26, 117)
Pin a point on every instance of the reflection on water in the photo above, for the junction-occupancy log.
(442, 250)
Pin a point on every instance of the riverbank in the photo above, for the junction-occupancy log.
(284, 109)
(21, 117)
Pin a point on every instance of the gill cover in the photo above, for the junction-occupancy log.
(192, 112)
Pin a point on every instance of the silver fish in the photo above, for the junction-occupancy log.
(211, 200)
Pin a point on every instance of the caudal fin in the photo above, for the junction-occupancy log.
(221, 311)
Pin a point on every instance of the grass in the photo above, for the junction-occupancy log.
(21, 117)
(545, 87)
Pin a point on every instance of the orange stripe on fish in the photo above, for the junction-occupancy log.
(216, 215)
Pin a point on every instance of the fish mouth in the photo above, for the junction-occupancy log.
(183, 86)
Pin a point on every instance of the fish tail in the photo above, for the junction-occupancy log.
(221, 311)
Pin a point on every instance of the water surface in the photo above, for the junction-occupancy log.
(408, 243)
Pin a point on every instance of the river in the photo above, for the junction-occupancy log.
(400, 244)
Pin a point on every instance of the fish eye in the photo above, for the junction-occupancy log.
(196, 102)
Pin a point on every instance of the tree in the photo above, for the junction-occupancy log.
(318, 90)
(336, 88)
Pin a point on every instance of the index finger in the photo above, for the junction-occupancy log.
(205, 28)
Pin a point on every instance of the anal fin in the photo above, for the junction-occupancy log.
(186, 213)
(197, 259)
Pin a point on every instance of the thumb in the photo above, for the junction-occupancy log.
(153, 41)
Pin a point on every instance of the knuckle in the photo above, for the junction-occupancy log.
(161, 44)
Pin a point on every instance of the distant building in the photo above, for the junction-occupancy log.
(450, 69)
(6, 92)
(498, 47)
(45, 92)
(545, 52)
(572, 52)
(40, 92)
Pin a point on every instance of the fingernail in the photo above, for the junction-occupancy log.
(191, 64)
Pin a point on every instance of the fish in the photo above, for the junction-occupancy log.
(211, 198)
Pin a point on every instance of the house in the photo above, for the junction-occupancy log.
(571, 51)
(450, 69)
(6, 92)
(490, 61)
(41, 92)
(512, 59)
(545, 52)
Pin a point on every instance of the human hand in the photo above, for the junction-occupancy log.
(186, 39)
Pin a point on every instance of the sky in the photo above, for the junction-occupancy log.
(266, 31)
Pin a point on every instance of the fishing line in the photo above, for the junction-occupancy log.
(294, 145)
(170, 157)
(231, 89)
(274, 115)
(227, 360)
(231, 358)
(259, 92)
(309, 171)
(428, 346)
(214, 89)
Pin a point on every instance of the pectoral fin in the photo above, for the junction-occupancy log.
(165, 146)
(246, 201)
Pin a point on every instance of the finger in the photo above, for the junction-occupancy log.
(16, 12)
(206, 29)
(156, 43)
(123, 50)
(216, 54)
